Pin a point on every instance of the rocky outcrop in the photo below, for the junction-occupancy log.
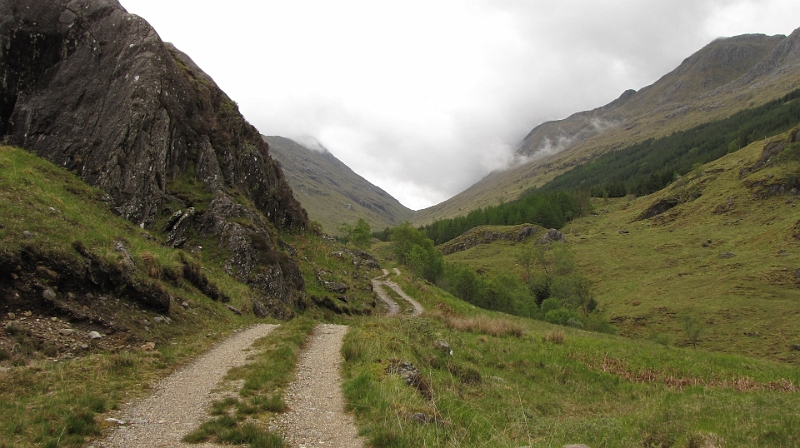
(488, 235)
(552, 236)
(94, 89)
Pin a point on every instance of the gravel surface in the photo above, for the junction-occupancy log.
(316, 415)
(377, 286)
(179, 403)
(418, 309)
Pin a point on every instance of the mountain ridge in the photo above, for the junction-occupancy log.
(697, 91)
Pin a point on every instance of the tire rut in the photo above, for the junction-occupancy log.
(180, 401)
(394, 309)
(316, 415)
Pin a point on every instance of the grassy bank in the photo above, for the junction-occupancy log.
(514, 382)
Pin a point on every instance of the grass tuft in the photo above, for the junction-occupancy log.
(555, 336)
(484, 325)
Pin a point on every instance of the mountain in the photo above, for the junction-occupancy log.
(94, 89)
(724, 77)
(331, 192)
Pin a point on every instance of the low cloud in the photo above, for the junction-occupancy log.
(425, 102)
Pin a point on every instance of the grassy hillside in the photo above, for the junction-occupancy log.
(69, 267)
(727, 253)
(509, 382)
(514, 382)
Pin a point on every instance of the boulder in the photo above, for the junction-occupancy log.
(339, 288)
(552, 236)
(259, 310)
(94, 335)
(525, 233)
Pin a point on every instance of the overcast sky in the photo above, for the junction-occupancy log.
(424, 98)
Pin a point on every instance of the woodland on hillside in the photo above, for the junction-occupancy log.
(651, 165)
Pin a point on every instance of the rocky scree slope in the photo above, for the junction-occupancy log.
(95, 90)
(331, 192)
(722, 78)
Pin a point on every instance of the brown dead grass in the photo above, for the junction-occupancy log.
(484, 325)
(555, 336)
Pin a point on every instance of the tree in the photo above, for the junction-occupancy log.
(362, 235)
(693, 328)
(346, 231)
(417, 261)
(525, 259)
(575, 290)
(403, 238)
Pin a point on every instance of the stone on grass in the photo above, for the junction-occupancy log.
(95, 335)
(443, 346)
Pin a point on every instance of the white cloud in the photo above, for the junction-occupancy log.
(423, 98)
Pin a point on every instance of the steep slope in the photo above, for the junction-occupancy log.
(331, 192)
(725, 76)
(94, 89)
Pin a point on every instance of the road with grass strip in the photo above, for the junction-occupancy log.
(180, 401)
(378, 284)
(316, 415)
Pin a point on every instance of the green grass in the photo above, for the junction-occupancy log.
(320, 256)
(518, 389)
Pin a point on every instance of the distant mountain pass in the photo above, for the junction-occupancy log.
(331, 192)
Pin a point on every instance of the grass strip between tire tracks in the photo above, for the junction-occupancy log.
(243, 419)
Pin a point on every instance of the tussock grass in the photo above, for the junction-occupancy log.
(662, 268)
(61, 403)
(484, 325)
(555, 336)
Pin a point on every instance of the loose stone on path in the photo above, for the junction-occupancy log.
(316, 415)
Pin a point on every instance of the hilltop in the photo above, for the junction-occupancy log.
(724, 77)
(331, 192)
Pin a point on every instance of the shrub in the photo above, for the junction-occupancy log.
(562, 316)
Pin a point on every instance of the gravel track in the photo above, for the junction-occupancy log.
(418, 309)
(377, 285)
(316, 415)
(180, 401)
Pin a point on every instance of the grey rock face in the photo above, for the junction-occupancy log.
(95, 90)
(551, 236)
